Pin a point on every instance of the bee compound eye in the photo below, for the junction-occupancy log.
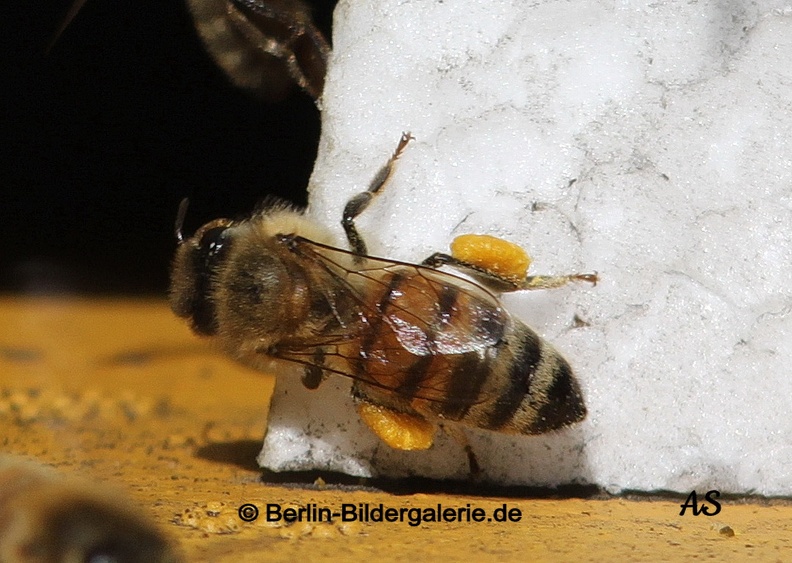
(213, 245)
(214, 242)
(193, 278)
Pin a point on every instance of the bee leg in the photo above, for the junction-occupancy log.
(400, 431)
(499, 264)
(487, 277)
(459, 436)
(551, 282)
(504, 284)
(314, 375)
(361, 201)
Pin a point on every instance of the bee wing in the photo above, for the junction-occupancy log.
(399, 327)
(264, 45)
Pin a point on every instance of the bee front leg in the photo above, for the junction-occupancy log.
(361, 201)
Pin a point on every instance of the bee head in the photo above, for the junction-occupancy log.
(195, 267)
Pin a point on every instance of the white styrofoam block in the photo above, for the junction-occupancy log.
(650, 143)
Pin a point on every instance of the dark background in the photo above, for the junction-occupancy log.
(102, 137)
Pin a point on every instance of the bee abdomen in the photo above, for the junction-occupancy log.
(540, 392)
(470, 374)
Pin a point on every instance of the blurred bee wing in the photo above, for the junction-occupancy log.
(264, 45)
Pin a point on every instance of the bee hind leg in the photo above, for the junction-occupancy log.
(361, 201)
(551, 282)
(400, 431)
(489, 278)
(499, 264)
(409, 432)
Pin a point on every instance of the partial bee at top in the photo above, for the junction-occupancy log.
(264, 46)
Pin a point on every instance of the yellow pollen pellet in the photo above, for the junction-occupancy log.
(399, 430)
(492, 254)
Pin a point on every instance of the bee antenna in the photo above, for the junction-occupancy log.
(180, 215)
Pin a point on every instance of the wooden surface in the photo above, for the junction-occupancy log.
(121, 392)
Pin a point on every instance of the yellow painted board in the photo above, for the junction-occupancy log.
(119, 391)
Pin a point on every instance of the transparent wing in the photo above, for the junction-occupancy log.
(399, 327)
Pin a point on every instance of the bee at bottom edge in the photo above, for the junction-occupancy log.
(426, 348)
(47, 516)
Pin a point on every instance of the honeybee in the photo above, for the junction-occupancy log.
(45, 517)
(426, 348)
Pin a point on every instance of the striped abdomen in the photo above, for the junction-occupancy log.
(445, 348)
